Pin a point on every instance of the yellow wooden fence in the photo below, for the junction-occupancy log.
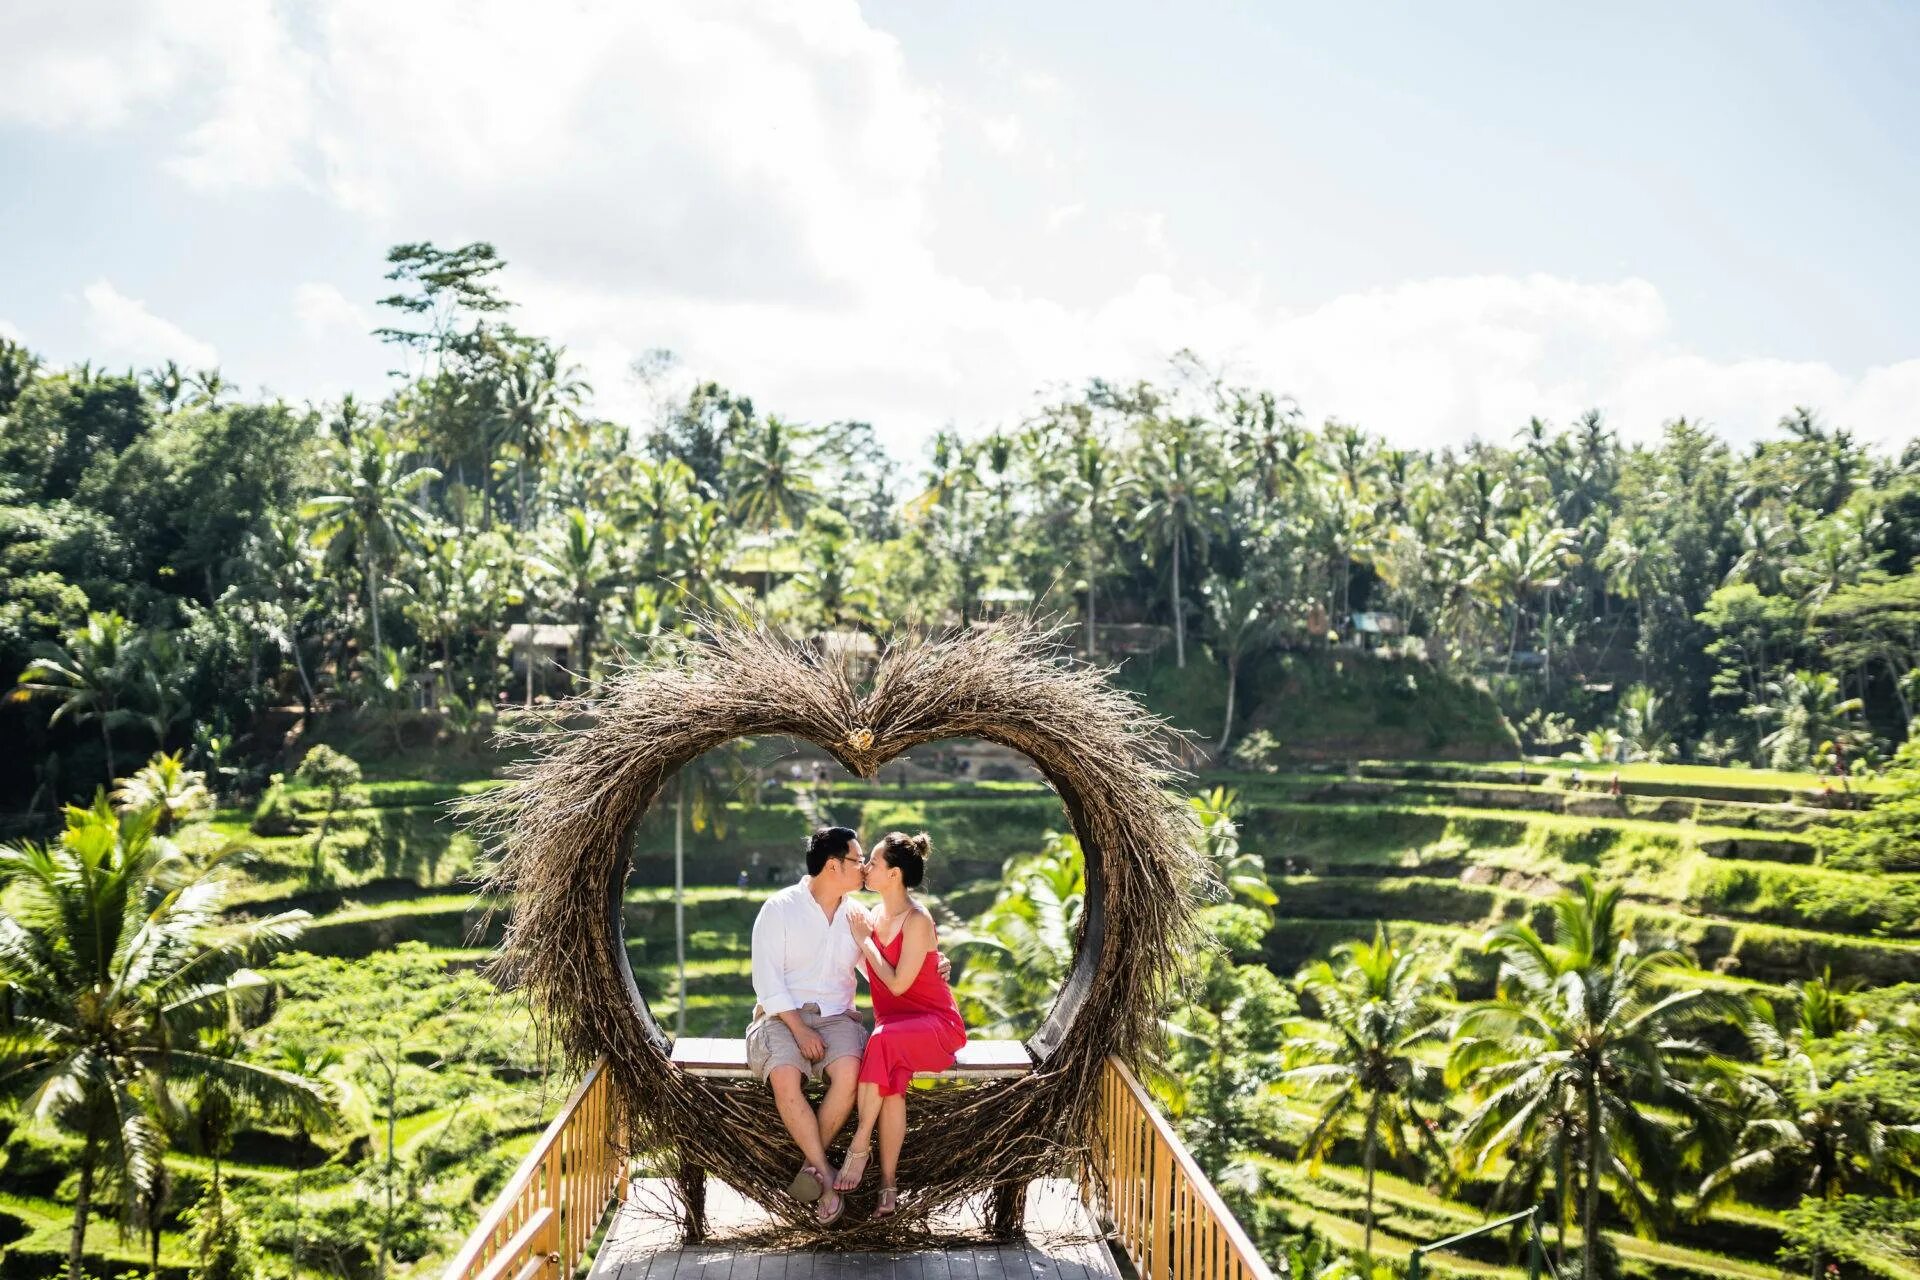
(1165, 1213)
(539, 1225)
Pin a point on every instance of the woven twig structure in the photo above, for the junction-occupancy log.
(559, 835)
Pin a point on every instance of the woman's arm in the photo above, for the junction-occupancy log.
(913, 953)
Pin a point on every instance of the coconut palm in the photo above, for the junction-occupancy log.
(117, 955)
(1242, 874)
(1361, 1060)
(173, 792)
(580, 559)
(1173, 499)
(1589, 1031)
(1805, 709)
(1529, 560)
(1018, 953)
(91, 675)
(371, 514)
(1092, 478)
(1803, 1120)
(771, 485)
(537, 398)
(1638, 567)
(1239, 615)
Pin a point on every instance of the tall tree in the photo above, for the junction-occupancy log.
(1361, 1059)
(371, 514)
(1173, 497)
(117, 955)
(90, 676)
(772, 485)
(1592, 1020)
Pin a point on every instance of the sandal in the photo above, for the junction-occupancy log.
(829, 1217)
(807, 1185)
(889, 1201)
(855, 1167)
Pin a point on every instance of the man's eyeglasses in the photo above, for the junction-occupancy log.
(858, 862)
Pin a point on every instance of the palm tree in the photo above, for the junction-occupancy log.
(1361, 1059)
(1803, 1120)
(91, 675)
(771, 485)
(1241, 873)
(1092, 473)
(371, 514)
(117, 955)
(1588, 1031)
(699, 552)
(1806, 710)
(167, 384)
(536, 398)
(660, 496)
(206, 388)
(580, 560)
(173, 792)
(1237, 612)
(1174, 499)
(833, 579)
(1528, 560)
(1019, 951)
(1638, 567)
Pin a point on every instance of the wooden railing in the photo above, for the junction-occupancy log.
(540, 1224)
(1164, 1210)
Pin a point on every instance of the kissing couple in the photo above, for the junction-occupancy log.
(809, 941)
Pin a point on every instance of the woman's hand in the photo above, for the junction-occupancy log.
(861, 926)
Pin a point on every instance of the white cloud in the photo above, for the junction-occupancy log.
(92, 64)
(1061, 215)
(753, 185)
(121, 328)
(324, 311)
(1003, 132)
(10, 333)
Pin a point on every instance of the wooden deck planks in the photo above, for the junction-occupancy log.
(642, 1244)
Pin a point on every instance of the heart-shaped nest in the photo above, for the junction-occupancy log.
(558, 838)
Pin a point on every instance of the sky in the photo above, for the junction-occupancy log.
(1434, 221)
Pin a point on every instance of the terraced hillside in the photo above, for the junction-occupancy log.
(1721, 860)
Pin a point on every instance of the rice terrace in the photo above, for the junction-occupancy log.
(842, 642)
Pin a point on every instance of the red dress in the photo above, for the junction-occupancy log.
(918, 1030)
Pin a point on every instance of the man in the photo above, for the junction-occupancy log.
(804, 961)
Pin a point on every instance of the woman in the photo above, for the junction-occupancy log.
(916, 1024)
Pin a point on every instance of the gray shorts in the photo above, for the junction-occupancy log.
(770, 1041)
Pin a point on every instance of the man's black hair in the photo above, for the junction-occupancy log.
(828, 842)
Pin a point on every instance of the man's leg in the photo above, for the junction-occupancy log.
(843, 1082)
(791, 1099)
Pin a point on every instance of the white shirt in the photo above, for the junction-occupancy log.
(800, 956)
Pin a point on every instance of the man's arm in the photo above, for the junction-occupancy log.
(770, 980)
(769, 960)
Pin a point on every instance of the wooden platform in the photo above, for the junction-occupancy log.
(643, 1243)
(977, 1059)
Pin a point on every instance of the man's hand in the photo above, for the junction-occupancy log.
(945, 967)
(812, 1047)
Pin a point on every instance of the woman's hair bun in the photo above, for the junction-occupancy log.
(923, 845)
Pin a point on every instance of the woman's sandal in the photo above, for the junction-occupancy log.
(889, 1201)
(808, 1184)
(825, 1217)
(856, 1165)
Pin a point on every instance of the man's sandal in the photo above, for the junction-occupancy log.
(889, 1201)
(827, 1217)
(807, 1185)
(855, 1168)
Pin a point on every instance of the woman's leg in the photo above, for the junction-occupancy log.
(893, 1135)
(861, 1147)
